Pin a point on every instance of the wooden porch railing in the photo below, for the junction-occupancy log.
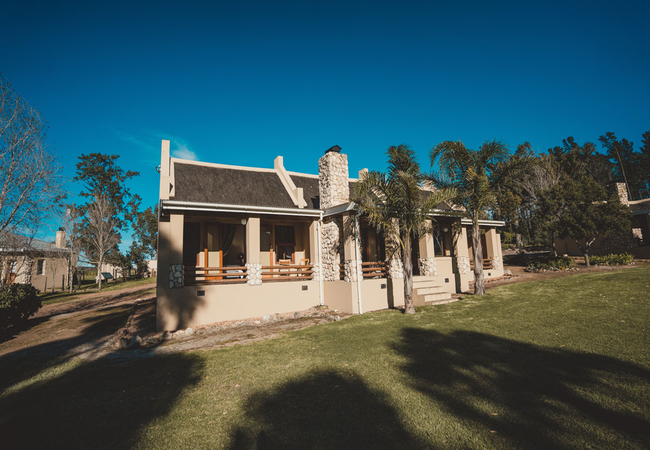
(214, 275)
(487, 263)
(374, 269)
(370, 269)
(287, 272)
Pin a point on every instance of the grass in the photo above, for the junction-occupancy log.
(554, 364)
(58, 297)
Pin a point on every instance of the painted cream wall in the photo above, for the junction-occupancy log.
(55, 268)
(183, 307)
(343, 297)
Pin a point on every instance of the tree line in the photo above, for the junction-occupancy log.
(33, 197)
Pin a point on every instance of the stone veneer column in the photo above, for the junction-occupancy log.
(333, 183)
(330, 239)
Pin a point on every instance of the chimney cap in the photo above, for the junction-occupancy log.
(335, 149)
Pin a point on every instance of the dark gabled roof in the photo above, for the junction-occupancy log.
(310, 190)
(209, 184)
(13, 242)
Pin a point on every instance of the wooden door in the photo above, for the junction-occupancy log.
(11, 272)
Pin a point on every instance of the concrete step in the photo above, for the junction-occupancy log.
(441, 302)
(436, 297)
(424, 279)
(428, 290)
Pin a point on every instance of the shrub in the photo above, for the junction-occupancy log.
(613, 259)
(18, 302)
(548, 263)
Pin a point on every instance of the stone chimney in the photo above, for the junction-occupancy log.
(333, 184)
(621, 190)
(60, 238)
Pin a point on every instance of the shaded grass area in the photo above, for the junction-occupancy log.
(58, 297)
(555, 364)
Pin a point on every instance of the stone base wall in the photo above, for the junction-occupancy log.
(176, 276)
(428, 266)
(395, 269)
(464, 265)
(254, 274)
(352, 269)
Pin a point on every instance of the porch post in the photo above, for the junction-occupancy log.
(314, 248)
(349, 251)
(253, 240)
(175, 239)
(493, 244)
(461, 251)
(253, 257)
(427, 259)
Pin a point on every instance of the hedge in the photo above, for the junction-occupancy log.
(18, 302)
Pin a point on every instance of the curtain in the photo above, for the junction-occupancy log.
(228, 236)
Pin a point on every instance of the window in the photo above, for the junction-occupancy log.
(40, 267)
(285, 242)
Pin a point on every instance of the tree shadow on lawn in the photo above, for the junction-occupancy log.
(98, 404)
(321, 410)
(529, 396)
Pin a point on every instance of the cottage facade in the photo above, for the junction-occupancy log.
(44, 265)
(242, 242)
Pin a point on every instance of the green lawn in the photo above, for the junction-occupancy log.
(555, 364)
(58, 297)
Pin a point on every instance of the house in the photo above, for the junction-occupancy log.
(636, 241)
(240, 242)
(44, 265)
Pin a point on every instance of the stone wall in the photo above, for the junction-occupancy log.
(463, 264)
(352, 269)
(176, 276)
(395, 268)
(254, 274)
(428, 266)
(333, 185)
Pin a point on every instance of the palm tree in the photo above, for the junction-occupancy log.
(470, 173)
(396, 203)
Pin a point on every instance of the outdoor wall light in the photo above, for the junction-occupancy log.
(445, 229)
(243, 221)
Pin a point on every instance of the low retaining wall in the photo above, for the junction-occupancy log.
(197, 305)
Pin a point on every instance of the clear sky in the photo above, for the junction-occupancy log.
(241, 82)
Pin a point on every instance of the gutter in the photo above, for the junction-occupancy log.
(320, 261)
(486, 223)
(176, 205)
(356, 253)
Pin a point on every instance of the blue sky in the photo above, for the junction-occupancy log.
(242, 82)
